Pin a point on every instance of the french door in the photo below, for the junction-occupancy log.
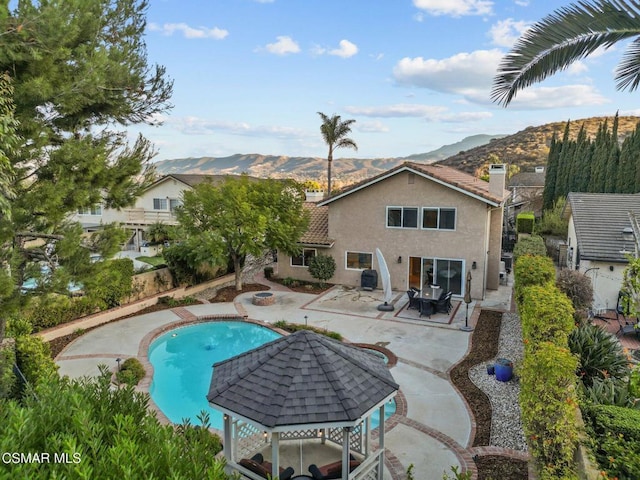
(444, 272)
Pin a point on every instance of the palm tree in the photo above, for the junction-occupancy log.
(569, 34)
(334, 133)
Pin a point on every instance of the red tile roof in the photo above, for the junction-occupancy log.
(447, 175)
(318, 230)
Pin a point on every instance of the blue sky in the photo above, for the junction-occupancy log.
(250, 75)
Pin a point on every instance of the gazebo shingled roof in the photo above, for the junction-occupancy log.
(301, 379)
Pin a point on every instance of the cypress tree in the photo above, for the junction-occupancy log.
(612, 162)
(548, 194)
(600, 154)
(568, 147)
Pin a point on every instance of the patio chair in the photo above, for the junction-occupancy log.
(257, 465)
(443, 305)
(414, 300)
(332, 470)
(426, 306)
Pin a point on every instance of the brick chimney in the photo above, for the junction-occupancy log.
(497, 179)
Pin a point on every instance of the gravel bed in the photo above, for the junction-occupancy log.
(506, 425)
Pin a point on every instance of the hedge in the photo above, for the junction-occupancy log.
(532, 270)
(548, 402)
(546, 314)
(525, 222)
(533, 245)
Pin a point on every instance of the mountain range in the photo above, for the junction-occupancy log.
(526, 148)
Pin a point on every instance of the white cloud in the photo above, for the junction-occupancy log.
(467, 74)
(557, 97)
(522, 3)
(430, 113)
(465, 117)
(372, 127)
(398, 110)
(504, 33)
(576, 68)
(345, 50)
(283, 46)
(189, 32)
(455, 8)
(201, 126)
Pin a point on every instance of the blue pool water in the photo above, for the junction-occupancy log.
(182, 360)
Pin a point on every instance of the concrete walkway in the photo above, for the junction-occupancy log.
(432, 429)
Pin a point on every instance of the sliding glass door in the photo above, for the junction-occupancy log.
(444, 272)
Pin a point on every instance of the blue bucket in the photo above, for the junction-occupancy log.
(504, 369)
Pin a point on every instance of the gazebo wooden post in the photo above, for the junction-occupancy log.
(381, 442)
(275, 454)
(345, 451)
(228, 443)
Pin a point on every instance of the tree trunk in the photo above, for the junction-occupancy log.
(238, 271)
(329, 162)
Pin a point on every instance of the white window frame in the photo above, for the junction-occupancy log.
(315, 253)
(95, 210)
(346, 263)
(402, 209)
(438, 209)
(160, 202)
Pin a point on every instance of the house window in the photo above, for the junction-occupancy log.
(439, 218)
(359, 260)
(93, 210)
(304, 258)
(159, 203)
(174, 203)
(402, 217)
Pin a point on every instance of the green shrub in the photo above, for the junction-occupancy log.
(109, 432)
(33, 358)
(294, 327)
(599, 352)
(7, 377)
(546, 314)
(548, 404)
(322, 267)
(618, 457)
(287, 281)
(577, 286)
(616, 420)
(525, 222)
(552, 221)
(131, 372)
(111, 282)
(533, 245)
(532, 270)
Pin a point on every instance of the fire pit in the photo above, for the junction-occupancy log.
(263, 299)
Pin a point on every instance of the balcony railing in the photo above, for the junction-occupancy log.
(140, 216)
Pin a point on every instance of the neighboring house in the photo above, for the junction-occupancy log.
(526, 193)
(599, 237)
(156, 204)
(432, 224)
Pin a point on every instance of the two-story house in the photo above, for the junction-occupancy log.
(432, 223)
(156, 204)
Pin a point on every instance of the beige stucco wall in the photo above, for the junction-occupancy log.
(357, 222)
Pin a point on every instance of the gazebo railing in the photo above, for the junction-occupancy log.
(368, 470)
(248, 439)
(356, 438)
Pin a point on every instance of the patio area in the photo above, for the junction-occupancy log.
(432, 426)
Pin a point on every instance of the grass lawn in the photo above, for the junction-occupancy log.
(155, 261)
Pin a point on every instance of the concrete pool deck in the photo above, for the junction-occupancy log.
(432, 429)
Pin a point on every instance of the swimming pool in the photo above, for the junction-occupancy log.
(182, 361)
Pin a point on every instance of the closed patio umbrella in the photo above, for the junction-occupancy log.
(467, 300)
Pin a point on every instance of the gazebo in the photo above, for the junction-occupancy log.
(303, 386)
